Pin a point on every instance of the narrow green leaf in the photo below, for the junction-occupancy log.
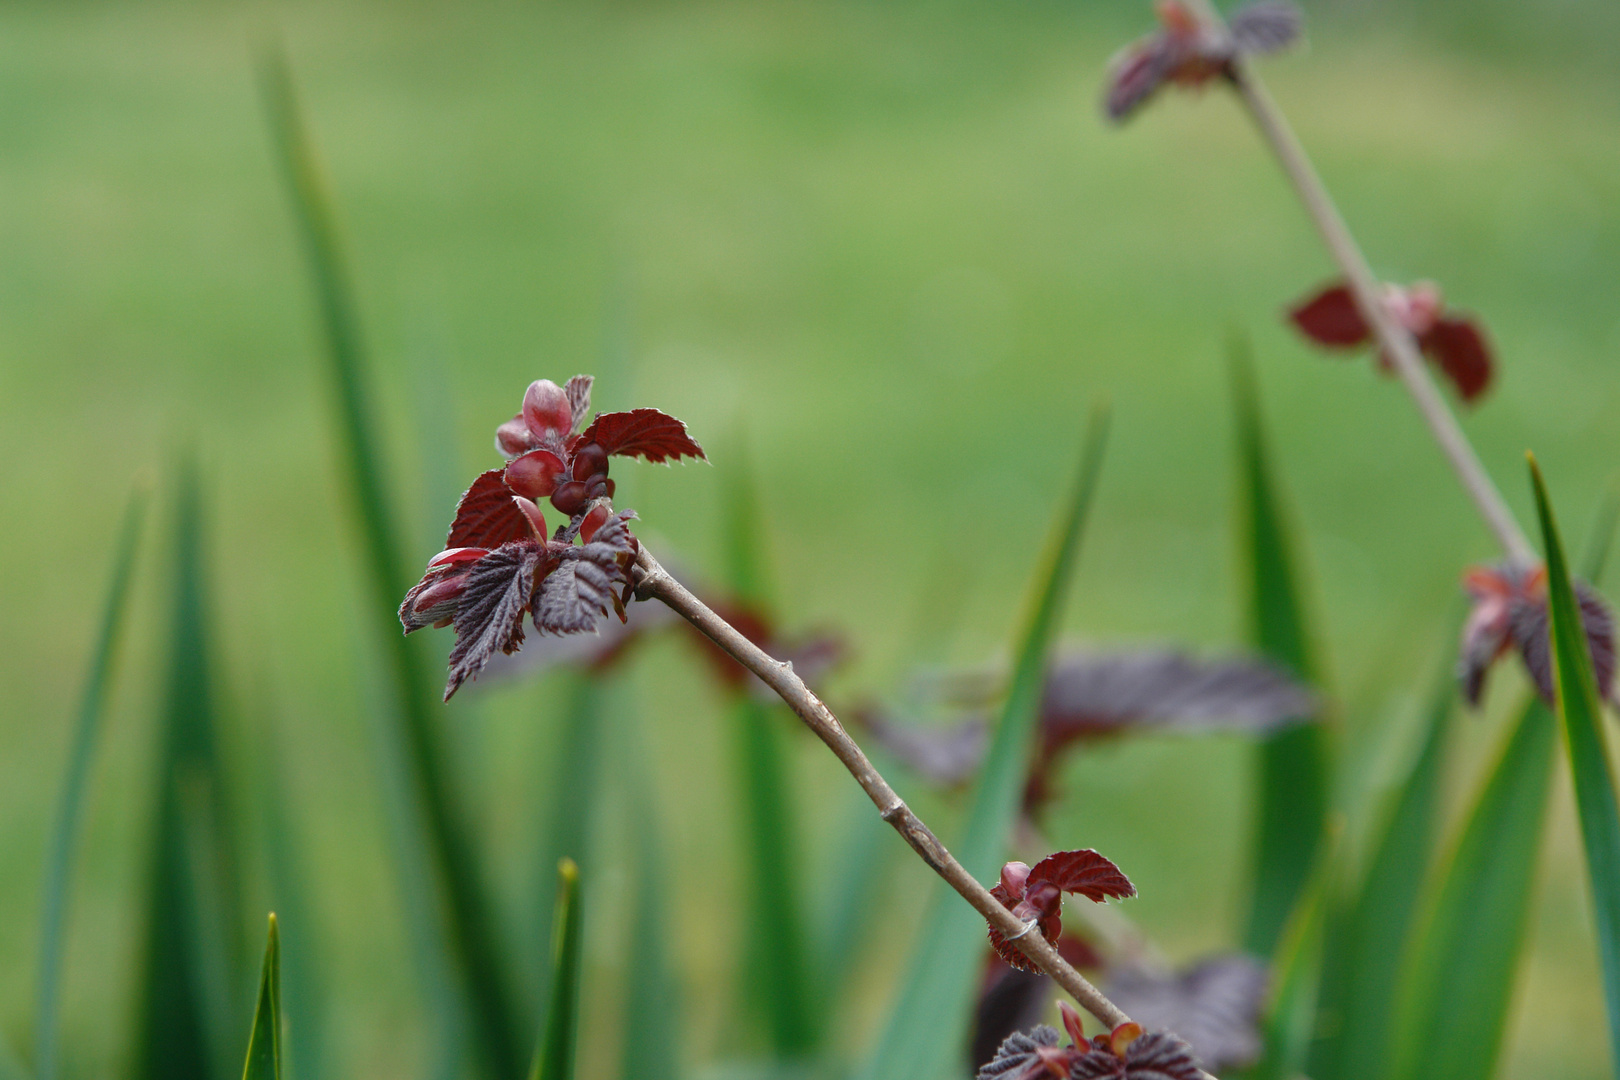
(1291, 1013)
(11, 1066)
(1457, 982)
(650, 1048)
(264, 1043)
(554, 1058)
(192, 948)
(777, 975)
(846, 912)
(1365, 938)
(572, 782)
(1293, 777)
(926, 1034)
(1580, 711)
(471, 927)
(75, 791)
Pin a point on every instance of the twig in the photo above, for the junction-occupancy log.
(1393, 338)
(655, 582)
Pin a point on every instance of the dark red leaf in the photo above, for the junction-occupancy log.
(1215, 1006)
(1050, 925)
(1083, 873)
(1458, 348)
(579, 398)
(1331, 318)
(1510, 608)
(645, 433)
(1136, 74)
(1154, 1056)
(1265, 26)
(1022, 1056)
(486, 516)
(1530, 632)
(494, 598)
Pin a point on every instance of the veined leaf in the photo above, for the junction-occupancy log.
(264, 1043)
(1366, 936)
(777, 972)
(75, 790)
(471, 929)
(926, 1035)
(185, 1029)
(1580, 711)
(554, 1058)
(1293, 786)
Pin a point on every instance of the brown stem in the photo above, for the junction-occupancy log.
(1393, 338)
(655, 582)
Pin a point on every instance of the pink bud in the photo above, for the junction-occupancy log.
(512, 438)
(547, 412)
(1014, 876)
(535, 474)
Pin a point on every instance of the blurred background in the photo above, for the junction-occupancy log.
(883, 256)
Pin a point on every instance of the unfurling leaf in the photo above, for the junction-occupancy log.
(579, 398)
(1036, 894)
(1510, 611)
(584, 585)
(494, 596)
(1454, 344)
(1024, 1055)
(1215, 1006)
(486, 516)
(1124, 1054)
(645, 433)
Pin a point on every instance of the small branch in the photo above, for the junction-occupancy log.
(655, 582)
(1392, 337)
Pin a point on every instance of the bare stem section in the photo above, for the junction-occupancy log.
(654, 581)
(1392, 337)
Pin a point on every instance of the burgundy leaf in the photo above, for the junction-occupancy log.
(1510, 609)
(1530, 630)
(1458, 348)
(1265, 26)
(1137, 73)
(1487, 633)
(1154, 1056)
(1215, 1006)
(1022, 1056)
(579, 398)
(1331, 318)
(1083, 873)
(583, 587)
(486, 516)
(490, 615)
(645, 433)
(1050, 925)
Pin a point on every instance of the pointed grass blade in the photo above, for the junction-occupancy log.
(1457, 981)
(554, 1058)
(471, 930)
(1291, 1012)
(650, 1048)
(1580, 713)
(926, 1036)
(75, 791)
(776, 975)
(185, 1026)
(1293, 776)
(264, 1043)
(1366, 936)
(11, 1066)
(566, 832)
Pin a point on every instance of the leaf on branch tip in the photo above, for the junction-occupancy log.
(1331, 318)
(1510, 612)
(1020, 1056)
(1083, 873)
(1157, 1055)
(1036, 893)
(645, 433)
(579, 398)
(494, 597)
(486, 516)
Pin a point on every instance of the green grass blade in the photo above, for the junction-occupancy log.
(75, 790)
(1457, 983)
(471, 930)
(11, 1066)
(776, 975)
(846, 912)
(1365, 939)
(566, 832)
(264, 1044)
(1580, 711)
(1291, 1014)
(1293, 778)
(192, 953)
(554, 1058)
(926, 1034)
(651, 1040)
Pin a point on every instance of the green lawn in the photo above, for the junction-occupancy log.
(889, 247)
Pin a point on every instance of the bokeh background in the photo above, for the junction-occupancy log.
(885, 253)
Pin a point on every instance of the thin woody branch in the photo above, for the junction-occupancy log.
(654, 582)
(1396, 342)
